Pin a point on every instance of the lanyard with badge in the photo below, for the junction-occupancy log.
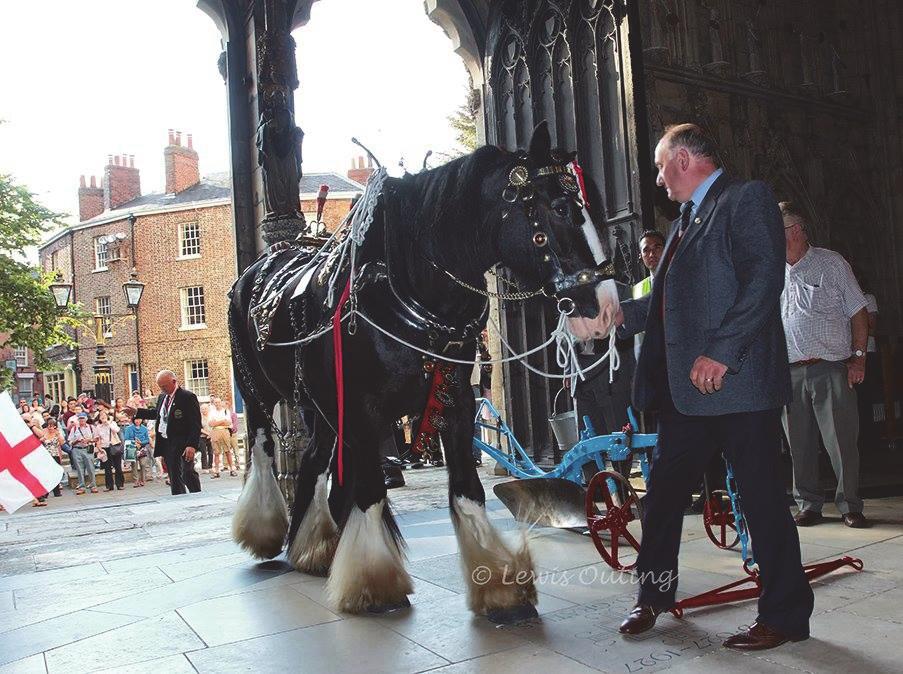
(164, 413)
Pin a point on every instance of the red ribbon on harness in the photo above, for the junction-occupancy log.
(432, 420)
(339, 375)
(578, 170)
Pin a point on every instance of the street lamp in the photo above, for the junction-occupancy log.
(133, 289)
(61, 290)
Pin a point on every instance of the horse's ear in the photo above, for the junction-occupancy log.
(540, 142)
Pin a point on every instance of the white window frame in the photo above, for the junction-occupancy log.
(21, 356)
(131, 369)
(185, 309)
(26, 395)
(200, 386)
(183, 240)
(100, 254)
(105, 308)
(55, 385)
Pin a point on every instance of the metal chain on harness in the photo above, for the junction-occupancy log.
(522, 295)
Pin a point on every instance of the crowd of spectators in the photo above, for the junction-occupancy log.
(92, 434)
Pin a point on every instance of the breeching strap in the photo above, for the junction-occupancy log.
(339, 377)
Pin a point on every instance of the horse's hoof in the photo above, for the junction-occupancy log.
(274, 565)
(512, 615)
(389, 608)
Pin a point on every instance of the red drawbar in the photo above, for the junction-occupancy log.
(339, 378)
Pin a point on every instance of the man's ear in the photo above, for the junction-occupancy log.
(683, 157)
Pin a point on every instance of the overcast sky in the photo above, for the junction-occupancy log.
(82, 80)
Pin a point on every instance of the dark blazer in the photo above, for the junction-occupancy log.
(722, 293)
(184, 426)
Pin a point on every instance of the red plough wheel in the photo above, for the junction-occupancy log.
(615, 519)
(718, 520)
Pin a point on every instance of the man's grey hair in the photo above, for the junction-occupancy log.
(692, 138)
(791, 210)
(166, 373)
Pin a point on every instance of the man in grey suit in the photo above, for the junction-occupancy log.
(714, 365)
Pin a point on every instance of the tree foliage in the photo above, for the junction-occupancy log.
(28, 313)
(464, 122)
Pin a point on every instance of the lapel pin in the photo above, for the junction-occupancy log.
(697, 221)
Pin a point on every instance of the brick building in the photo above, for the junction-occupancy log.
(27, 382)
(181, 244)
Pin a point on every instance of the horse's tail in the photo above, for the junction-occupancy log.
(260, 521)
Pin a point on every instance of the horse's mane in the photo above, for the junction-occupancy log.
(443, 205)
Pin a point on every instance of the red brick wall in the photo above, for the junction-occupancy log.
(90, 200)
(163, 344)
(181, 168)
(121, 182)
(334, 211)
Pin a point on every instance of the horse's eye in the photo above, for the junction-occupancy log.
(561, 207)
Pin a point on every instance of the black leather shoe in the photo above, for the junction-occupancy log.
(759, 637)
(641, 619)
(806, 518)
(855, 521)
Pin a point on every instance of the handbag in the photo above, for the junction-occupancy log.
(115, 451)
(130, 450)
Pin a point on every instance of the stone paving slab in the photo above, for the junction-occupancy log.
(205, 605)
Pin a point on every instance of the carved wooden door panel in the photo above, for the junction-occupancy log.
(566, 62)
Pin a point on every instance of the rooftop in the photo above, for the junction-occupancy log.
(213, 189)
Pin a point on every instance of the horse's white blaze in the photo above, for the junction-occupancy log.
(600, 326)
(368, 567)
(592, 238)
(315, 543)
(260, 521)
(496, 577)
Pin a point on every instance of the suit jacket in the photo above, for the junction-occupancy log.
(721, 293)
(184, 426)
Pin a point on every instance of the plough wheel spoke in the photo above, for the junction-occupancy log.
(606, 513)
(718, 520)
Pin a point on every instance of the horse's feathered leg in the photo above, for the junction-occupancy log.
(367, 572)
(499, 581)
(261, 519)
(313, 535)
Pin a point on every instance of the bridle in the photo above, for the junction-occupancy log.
(521, 190)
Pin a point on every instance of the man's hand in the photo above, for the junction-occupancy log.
(128, 411)
(188, 454)
(855, 371)
(707, 374)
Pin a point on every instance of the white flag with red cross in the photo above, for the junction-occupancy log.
(27, 470)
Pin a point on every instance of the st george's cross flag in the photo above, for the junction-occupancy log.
(26, 469)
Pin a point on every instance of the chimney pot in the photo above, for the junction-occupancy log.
(93, 182)
(369, 161)
(360, 161)
(109, 160)
(171, 138)
(81, 181)
(131, 161)
(116, 160)
(189, 141)
(178, 138)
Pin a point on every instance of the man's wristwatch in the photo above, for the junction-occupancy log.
(858, 353)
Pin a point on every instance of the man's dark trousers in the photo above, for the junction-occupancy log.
(751, 444)
(182, 472)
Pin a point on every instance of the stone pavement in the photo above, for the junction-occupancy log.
(139, 581)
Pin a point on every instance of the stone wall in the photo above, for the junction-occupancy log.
(803, 95)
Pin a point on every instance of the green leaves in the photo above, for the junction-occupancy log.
(28, 313)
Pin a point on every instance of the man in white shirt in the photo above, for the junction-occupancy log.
(826, 324)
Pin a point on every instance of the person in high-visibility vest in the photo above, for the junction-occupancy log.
(652, 244)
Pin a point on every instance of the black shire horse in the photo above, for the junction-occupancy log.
(454, 222)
